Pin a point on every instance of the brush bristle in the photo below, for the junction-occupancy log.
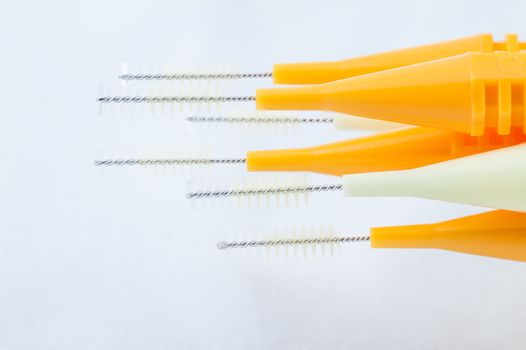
(256, 120)
(286, 243)
(207, 74)
(194, 163)
(261, 190)
(166, 99)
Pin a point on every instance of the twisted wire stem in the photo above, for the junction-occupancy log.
(263, 191)
(257, 120)
(195, 76)
(168, 161)
(291, 241)
(174, 99)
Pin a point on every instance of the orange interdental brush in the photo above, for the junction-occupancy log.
(396, 150)
(497, 234)
(323, 72)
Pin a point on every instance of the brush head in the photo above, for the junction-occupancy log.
(249, 120)
(197, 162)
(168, 161)
(305, 242)
(260, 117)
(164, 98)
(290, 189)
(135, 73)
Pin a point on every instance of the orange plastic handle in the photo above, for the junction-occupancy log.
(323, 72)
(467, 93)
(499, 234)
(396, 150)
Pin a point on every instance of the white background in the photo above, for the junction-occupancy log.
(119, 260)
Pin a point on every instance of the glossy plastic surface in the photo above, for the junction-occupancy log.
(323, 72)
(467, 93)
(494, 179)
(395, 150)
(499, 234)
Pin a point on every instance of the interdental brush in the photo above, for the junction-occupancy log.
(498, 234)
(322, 72)
(396, 150)
(259, 118)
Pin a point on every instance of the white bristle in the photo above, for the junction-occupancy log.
(313, 242)
(101, 92)
(161, 73)
(125, 69)
(251, 120)
(164, 98)
(194, 161)
(286, 190)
